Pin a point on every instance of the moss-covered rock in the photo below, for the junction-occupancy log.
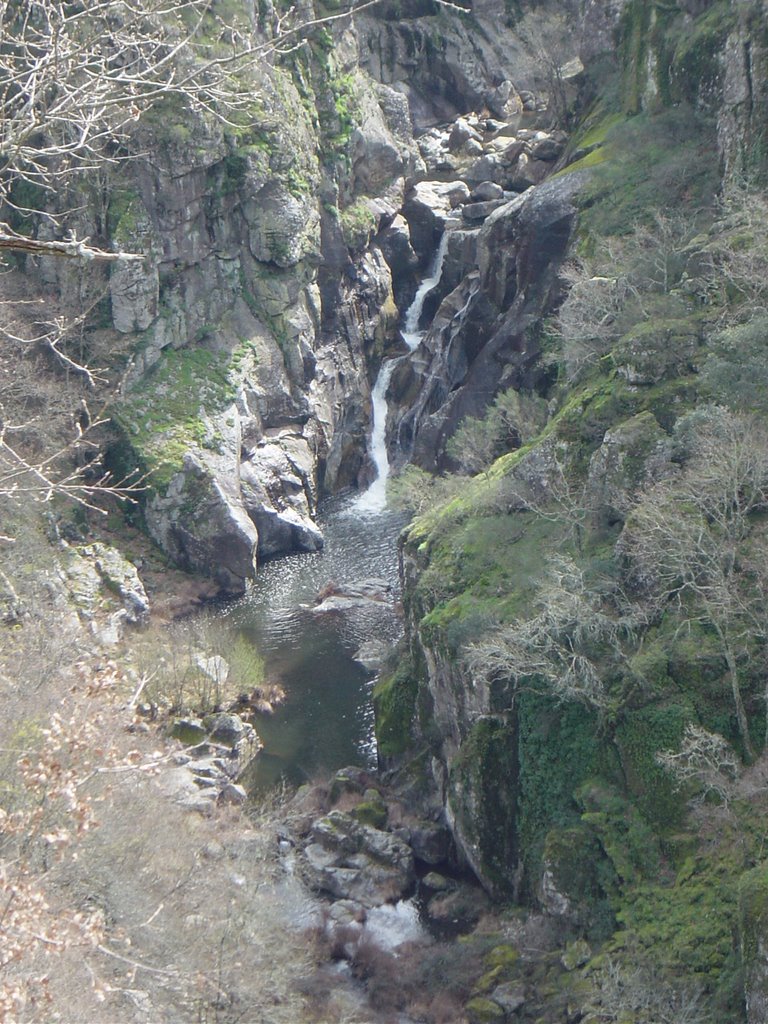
(483, 799)
(394, 704)
(753, 941)
(484, 1011)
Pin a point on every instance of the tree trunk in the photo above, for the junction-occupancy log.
(741, 714)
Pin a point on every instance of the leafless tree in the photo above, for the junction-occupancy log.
(75, 80)
(551, 490)
(737, 253)
(704, 758)
(587, 321)
(566, 646)
(624, 993)
(692, 541)
(512, 419)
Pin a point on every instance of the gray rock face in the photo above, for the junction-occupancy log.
(277, 495)
(447, 66)
(477, 343)
(352, 861)
(283, 254)
(101, 586)
(430, 842)
(428, 207)
(134, 287)
(119, 576)
(201, 522)
(282, 228)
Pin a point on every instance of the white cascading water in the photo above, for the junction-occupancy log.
(375, 498)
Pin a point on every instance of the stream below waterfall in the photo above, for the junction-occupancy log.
(326, 721)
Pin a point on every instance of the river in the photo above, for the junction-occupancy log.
(326, 721)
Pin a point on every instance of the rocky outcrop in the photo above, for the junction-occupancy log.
(279, 256)
(480, 340)
(249, 392)
(353, 861)
(447, 66)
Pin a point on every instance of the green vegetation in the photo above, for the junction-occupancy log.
(165, 415)
(358, 224)
(394, 702)
(657, 357)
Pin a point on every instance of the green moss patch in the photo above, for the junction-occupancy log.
(394, 705)
(162, 416)
(483, 797)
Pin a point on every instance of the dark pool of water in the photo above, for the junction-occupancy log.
(326, 721)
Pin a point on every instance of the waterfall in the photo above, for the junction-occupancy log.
(375, 498)
(411, 333)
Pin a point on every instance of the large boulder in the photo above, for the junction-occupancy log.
(276, 491)
(200, 521)
(428, 207)
(354, 861)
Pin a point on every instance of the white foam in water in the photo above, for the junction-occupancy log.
(392, 925)
(375, 498)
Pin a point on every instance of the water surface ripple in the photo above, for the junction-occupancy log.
(326, 721)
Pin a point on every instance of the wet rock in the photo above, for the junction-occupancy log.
(371, 655)
(460, 258)
(509, 996)
(431, 843)
(350, 860)
(335, 597)
(188, 731)
(427, 209)
(395, 244)
(486, 191)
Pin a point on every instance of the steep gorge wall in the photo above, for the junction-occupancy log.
(549, 800)
(275, 254)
